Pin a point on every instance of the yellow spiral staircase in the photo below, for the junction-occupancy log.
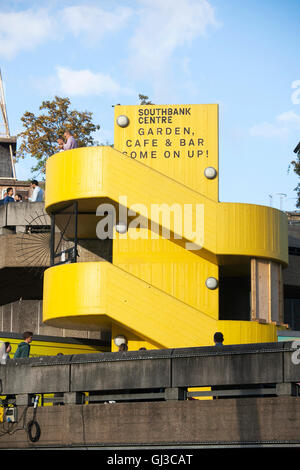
(155, 290)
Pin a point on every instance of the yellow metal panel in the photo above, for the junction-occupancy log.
(50, 348)
(252, 230)
(126, 183)
(169, 267)
(134, 342)
(178, 141)
(120, 296)
(143, 310)
(237, 226)
(243, 332)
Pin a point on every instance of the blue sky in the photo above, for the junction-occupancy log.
(243, 55)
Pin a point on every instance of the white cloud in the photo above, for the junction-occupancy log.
(164, 26)
(23, 30)
(285, 123)
(290, 118)
(92, 21)
(85, 82)
(27, 29)
(296, 94)
(268, 130)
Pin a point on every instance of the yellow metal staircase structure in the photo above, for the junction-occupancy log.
(177, 236)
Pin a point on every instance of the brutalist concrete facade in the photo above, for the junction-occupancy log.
(21, 272)
(7, 152)
(291, 274)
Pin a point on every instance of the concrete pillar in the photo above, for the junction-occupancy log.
(24, 399)
(286, 389)
(175, 393)
(74, 398)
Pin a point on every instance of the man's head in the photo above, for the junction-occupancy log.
(27, 336)
(9, 192)
(18, 197)
(218, 337)
(34, 183)
(67, 134)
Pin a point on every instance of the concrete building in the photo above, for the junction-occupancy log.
(7, 154)
(25, 231)
(291, 275)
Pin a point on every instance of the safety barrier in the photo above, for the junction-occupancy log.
(169, 374)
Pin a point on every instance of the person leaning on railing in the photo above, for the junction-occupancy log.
(38, 193)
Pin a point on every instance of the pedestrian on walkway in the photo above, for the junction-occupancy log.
(23, 349)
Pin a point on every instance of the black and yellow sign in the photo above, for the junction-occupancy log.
(180, 141)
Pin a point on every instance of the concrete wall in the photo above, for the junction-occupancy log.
(243, 421)
(22, 267)
(291, 274)
(6, 170)
(20, 215)
(253, 422)
(27, 315)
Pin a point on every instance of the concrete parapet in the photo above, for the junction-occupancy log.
(22, 214)
(265, 364)
(154, 411)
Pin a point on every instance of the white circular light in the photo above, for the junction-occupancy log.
(210, 172)
(211, 283)
(120, 339)
(122, 121)
(121, 227)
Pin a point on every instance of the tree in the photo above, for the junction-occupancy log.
(144, 99)
(39, 139)
(296, 165)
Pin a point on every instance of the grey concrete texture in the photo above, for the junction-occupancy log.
(6, 169)
(294, 235)
(22, 214)
(118, 375)
(16, 252)
(233, 421)
(291, 274)
(194, 367)
(27, 315)
(44, 380)
(239, 422)
(26, 213)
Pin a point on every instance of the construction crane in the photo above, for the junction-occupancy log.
(5, 136)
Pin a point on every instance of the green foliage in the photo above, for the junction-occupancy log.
(296, 164)
(144, 99)
(39, 137)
